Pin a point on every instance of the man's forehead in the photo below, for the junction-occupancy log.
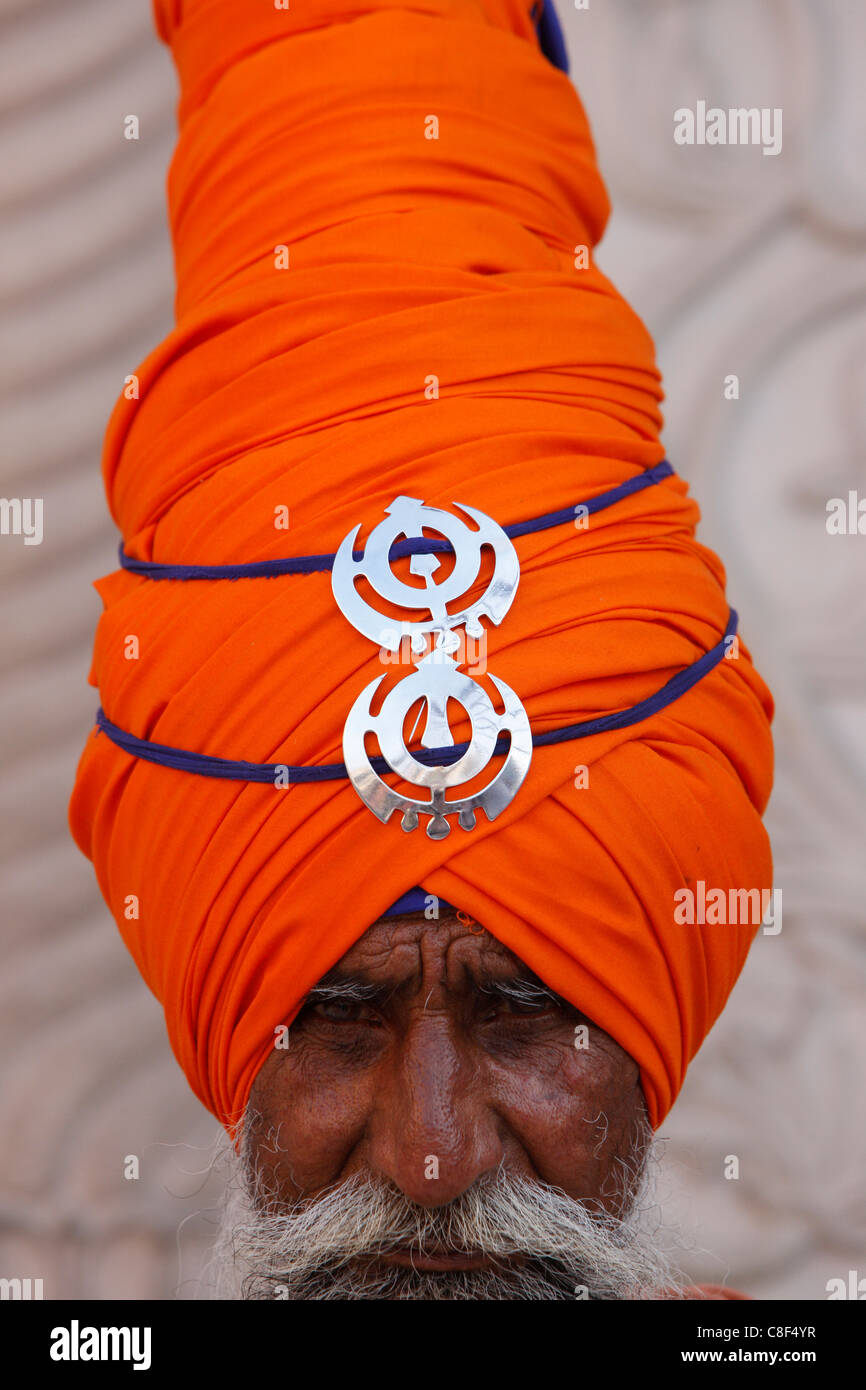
(397, 949)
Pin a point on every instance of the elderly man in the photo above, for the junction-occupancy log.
(468, 1149)
(422, 706)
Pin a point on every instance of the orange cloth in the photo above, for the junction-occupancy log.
(408, 257)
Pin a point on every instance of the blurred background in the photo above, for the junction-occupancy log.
(739, 263)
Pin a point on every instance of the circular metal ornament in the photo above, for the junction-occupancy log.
(408, 516)
(436, 680)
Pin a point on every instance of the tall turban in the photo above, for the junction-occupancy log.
(378, 210)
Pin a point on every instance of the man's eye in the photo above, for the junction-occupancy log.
(339, 1010)
(342, 1011)
(523, 1008)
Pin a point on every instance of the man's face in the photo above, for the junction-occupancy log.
(428, 1042)
(441, 1123)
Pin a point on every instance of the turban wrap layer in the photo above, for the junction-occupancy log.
(296, 379)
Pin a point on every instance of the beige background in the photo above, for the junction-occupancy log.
(739, 263)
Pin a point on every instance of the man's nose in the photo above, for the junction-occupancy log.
(433, 1131)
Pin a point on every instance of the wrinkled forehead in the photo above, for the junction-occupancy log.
(409, 951)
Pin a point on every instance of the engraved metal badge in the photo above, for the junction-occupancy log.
(407, 516)
(436, 679)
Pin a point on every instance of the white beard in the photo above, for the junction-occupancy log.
(326, 1248)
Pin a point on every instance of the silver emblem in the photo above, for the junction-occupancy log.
(407, 516)
(435, 681)
(436, 678)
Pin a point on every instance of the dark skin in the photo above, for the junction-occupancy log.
(437, 1061)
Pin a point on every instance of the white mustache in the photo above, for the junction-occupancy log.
(327, 1247)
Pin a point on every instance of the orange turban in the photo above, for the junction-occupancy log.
(378, 211)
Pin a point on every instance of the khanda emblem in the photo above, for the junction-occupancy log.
(436, 680)
(408, 517)
(440, 767)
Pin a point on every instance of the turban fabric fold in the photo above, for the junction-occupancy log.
(377, 210)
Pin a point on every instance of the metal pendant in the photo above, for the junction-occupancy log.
(436, 678)
(407, 516)
(435, 681)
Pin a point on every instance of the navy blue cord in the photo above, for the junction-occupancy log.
(419, 545)
(206, 766)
